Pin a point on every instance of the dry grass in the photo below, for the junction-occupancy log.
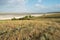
(29, 30)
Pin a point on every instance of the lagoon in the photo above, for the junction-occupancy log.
(4, 17)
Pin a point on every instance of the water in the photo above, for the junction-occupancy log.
(3, 17)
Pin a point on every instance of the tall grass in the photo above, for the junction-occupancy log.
(45, 27)
(29, 30)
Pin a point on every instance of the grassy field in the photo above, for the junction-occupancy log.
(37, 29)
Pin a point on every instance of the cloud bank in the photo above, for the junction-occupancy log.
(29, 5)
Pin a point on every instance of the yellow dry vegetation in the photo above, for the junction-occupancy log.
(29, 30)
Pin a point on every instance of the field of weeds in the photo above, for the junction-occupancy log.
(29, 30)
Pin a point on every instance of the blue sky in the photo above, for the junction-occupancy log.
(31, 6)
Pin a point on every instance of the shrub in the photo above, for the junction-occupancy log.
(26, 17)
(14, 18)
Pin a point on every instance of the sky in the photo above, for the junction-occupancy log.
(30, 6)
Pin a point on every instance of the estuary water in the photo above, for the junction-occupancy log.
(4, 17)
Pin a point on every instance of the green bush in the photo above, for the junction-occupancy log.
(14, 18)
(26, 17)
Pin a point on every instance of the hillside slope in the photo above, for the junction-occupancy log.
(53, 15)
(29, 30)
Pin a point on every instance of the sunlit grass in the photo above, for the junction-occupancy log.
(29, 30)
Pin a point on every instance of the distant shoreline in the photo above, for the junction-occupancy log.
(5, 17)
(9, 16)
(28, 13)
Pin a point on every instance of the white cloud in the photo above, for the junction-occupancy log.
(16, 5)
(54, 7)
(39, 6)
(16, 1)
(57, 6)
(11, 1)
